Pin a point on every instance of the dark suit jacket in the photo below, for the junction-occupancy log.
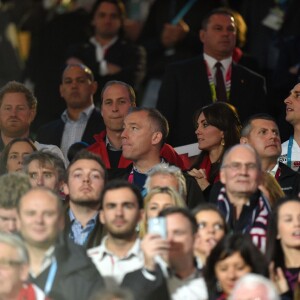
(94, 238)
(131, 58)
(289, 180)
(185, 89)
(145, 289)
(52, 132)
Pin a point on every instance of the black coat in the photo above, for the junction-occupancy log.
(52, 132)
(76, 277)
(185, 89)
(289, 180)
(131, 59)
(145, 289)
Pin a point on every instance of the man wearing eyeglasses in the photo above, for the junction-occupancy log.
(290, 154)
(244, 207)
(14, 270)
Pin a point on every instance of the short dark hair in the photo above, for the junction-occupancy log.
(182, 211)
(119, 4)
(129, 88)
(85, 154)
(18, 87)
(218, 11)
(75, 148)
(46, 158)
(158, 121)
(227, 246)
(119, 184)
(247, 125)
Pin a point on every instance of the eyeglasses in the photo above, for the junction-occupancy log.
(237, 166)
(5, 264)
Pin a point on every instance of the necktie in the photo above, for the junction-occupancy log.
(220, 85)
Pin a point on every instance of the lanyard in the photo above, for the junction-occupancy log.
(289, 152)
(212, 83)
(51, 276)
(183, 12)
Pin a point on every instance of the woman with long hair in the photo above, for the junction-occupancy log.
(217, 128)
(283, 249)
(234, 256)
(12, 156)
(156, 200)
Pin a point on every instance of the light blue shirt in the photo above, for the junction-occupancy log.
(73, 130)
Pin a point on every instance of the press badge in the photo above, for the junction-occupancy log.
(274, 19)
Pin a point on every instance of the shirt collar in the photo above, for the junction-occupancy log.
(97, 45)
(109, 145)
(73, 218)
(134, 168)
(85, 113)
(212, 61)
(103, 251)
(274, 170)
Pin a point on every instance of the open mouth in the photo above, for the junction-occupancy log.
(296, 234)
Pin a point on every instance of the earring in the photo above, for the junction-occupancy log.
(218, 286)
(223, 142)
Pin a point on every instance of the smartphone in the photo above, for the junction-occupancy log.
(158, 225)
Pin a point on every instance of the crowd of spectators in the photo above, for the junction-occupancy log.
(149, 149)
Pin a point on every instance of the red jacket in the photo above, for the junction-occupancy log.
(167, 152)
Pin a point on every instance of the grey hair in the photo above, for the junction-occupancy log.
(174, 171)
(15, 242)
(253, 281)
(246, 146)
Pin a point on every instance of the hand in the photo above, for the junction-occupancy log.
(294, 69)
(200, 176)
(113, 69)
(173, 34)
(132, 29)
(153, 245)
(278, 278)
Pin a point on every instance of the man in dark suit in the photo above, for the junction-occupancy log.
(81, 120)
(262, 133)
(107, 53)
(192, 84)
(57, 266)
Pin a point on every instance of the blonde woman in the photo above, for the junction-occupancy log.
(155, 201)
